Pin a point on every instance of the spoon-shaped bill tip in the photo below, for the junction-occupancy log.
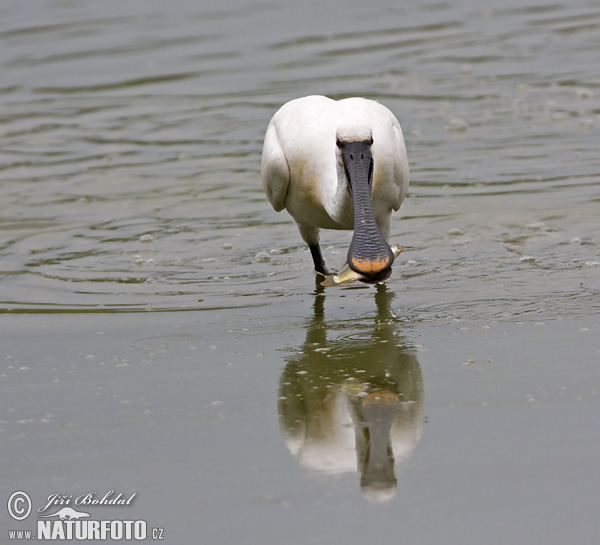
(346, 275)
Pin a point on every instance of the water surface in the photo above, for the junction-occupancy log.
(146, 348)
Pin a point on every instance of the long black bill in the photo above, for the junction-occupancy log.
(369, 254)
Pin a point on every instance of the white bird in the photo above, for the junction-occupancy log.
(338, 165)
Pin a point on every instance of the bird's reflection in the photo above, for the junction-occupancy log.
(353, 401)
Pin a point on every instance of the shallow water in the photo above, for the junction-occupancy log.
(162, 332)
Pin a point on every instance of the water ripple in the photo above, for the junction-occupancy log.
(150, 124)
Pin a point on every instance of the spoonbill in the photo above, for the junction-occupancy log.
(338, 164)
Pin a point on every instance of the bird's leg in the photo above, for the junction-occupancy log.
(315, 251)
(310, 235)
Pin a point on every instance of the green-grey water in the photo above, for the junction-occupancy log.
(162, 333)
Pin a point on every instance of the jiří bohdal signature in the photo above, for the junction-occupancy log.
(87, 499)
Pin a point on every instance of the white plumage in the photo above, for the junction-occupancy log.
(304, 171)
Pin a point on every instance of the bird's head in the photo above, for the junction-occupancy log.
(369, 254)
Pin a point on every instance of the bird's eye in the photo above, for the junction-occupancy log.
(371, 141)
(338, 143)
